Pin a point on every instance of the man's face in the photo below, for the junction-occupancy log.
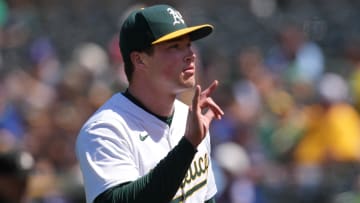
(172, 65)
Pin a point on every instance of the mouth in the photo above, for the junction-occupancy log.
(190, 69)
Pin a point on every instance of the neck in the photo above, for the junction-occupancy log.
(154, 100)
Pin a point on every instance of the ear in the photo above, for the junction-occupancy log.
(136, 59)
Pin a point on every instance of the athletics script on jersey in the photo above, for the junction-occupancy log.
(195, 178)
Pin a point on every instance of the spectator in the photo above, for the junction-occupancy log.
(15, 168)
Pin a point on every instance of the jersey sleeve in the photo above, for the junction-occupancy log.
(105, 158)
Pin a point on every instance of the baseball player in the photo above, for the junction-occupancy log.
(144, 145)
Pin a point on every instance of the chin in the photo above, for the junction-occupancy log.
(188, 85)
(185, 87)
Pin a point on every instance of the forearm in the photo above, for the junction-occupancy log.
(160, 184)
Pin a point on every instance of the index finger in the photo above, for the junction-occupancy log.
(195, 100)
(210, 89)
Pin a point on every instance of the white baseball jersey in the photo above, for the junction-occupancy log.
(122, 142)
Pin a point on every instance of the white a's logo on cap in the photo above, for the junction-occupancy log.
(178, 19)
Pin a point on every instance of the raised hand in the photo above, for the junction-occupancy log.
(202, 111)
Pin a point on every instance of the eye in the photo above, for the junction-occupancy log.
(174, 46)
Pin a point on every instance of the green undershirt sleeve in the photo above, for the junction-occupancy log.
(212, 200)
(160, 184)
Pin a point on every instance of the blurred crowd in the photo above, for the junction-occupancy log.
(289, 73)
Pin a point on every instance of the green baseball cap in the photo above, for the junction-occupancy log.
(155, 24)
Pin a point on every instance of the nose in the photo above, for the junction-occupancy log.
(190, 56)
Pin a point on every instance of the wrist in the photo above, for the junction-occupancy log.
(194, 142)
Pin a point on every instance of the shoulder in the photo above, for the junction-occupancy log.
(116, 111)
(108, 122)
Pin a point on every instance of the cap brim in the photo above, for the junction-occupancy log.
(195, 32)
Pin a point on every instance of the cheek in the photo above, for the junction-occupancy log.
(169, 65)
(168, 72)
(171, 70)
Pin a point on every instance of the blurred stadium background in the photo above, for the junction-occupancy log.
(290, 87)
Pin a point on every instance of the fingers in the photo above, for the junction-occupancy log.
(213, 107)
(201, 112)
(196, 98)
(210, 89)
(205, 101)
